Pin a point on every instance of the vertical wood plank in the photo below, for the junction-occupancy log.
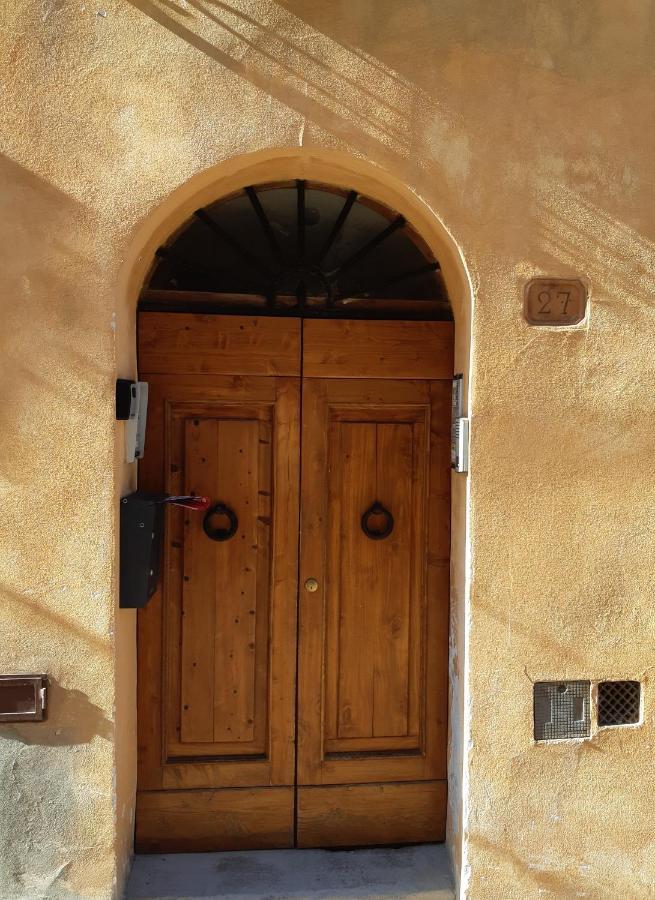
(379, 618)
(283, 576)
(261, 609)
(198, 589)
(438, 579)
(150, 698)
(440, 474)
(172, 573)
(419, 640)
(233, 678)
(394, 599)
(313, 518)
(333, 538)
(357, 576)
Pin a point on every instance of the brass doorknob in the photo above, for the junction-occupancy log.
(311, 585)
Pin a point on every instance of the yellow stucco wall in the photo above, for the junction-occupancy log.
(527, 128)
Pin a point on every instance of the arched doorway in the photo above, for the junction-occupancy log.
(298, 342)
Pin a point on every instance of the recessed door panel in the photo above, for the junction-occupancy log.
(217, 642)
(371, 701)
(372, 678)
(219, 634)
(224, 590)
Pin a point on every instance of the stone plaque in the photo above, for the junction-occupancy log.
(555, 301)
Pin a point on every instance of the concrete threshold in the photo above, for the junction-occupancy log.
(418, 873)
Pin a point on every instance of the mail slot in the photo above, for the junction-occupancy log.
(22, 698)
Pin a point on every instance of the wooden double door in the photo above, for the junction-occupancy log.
(292, 675)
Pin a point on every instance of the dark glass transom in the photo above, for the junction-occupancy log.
(299, 249)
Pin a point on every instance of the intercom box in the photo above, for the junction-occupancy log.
(141, 539)
(132, 408)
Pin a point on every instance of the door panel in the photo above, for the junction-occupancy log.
(190, 343)
(361, 814)
(372, 695)
(225, 611)
(373, 637)
(342, 348)
(217, 642)
(192, 821)
(224, 644)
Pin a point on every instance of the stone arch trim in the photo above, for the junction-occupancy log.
(329, 167)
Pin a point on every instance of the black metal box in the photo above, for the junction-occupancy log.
(141, 538)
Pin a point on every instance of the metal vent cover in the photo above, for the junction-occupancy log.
(619, 703)
(562, 710)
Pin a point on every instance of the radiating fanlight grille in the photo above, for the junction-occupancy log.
(299, 249)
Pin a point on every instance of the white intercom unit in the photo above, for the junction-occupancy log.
(459, 438)
(132, 407)
(459, 454)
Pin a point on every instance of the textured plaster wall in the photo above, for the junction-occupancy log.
(528, 128)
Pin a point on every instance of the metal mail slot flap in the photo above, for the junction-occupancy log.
(23, 698)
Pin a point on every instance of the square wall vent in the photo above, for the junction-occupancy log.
(619, 703)
(562, 710)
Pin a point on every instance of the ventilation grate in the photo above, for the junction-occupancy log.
(618, 703)
(562, 710)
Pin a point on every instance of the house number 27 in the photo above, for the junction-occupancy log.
(555, 301)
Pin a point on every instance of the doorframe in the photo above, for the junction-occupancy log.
(339, 169)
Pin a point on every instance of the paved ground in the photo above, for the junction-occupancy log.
(415, 873)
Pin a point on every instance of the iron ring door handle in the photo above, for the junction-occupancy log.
(220, 534)
(377, 509)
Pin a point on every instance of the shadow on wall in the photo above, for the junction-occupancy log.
(338, 87)
(55, 461)
(71, 719)
(620, 260)
(46, 365)
(425, 84)
(573, 39)
(357, 65)
(34, 614)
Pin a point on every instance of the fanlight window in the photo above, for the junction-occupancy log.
(299, 249)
